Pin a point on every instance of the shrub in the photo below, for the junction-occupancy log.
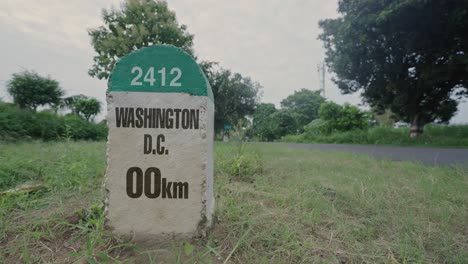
(317, 127)
(434, 135)
(18, 123)
(342, 118)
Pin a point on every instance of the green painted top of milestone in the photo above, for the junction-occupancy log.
(159, 69)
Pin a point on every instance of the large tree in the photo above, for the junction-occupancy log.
(305, 103)
(139, 23)
(30, 90)
(236, 96)
(408, 56)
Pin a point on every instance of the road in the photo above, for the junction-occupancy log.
(431, 156)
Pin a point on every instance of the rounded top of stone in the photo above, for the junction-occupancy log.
(159, 69)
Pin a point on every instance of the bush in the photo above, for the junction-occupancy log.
(434, 135)
(342, 118)
(317, 127)
(18, 123)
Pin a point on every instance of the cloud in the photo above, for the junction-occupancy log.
(272, 41)
(55, 23)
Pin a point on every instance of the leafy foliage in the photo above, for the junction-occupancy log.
(30, 90)
(20, 124)
(263, 126)
(235, 96)
(284, 123)
(341, 118)
(138, 24)
(434, 135)
(408, 56)
(305, 103)
(81, 105)
(270, 124)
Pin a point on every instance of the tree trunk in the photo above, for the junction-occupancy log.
(417, 126)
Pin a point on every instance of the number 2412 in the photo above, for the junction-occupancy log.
(149, 76)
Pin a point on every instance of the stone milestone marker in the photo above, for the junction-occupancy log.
(159, 179)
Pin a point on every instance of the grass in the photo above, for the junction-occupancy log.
(303, 206)
(433, 136)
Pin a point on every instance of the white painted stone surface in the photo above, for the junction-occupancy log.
(189, 159)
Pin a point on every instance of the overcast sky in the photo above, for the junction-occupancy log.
(272, 41)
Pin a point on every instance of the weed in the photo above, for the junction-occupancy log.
(240, 161)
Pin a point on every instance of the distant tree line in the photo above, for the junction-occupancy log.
(408, 57)
(302, 110)
(143, 23)
(29, 90)
(21, 119)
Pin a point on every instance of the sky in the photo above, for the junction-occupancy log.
(272, 41)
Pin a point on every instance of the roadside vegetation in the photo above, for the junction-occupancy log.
(22, 119)
(22, 124)
(343, 124)
(283, 206)
(434, 136)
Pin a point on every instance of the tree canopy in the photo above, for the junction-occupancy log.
(81, 105)
(408, 56)
(263, 124)
(305, 103)
(139, 23)
(235, 96)
(30, 90)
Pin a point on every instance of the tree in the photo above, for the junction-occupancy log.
(284, 122)
(270, 124)
(384, 118)
(305, 103)
(81, 105)
(235, 96)
(138, 24)
(341, 118)
(408, 56)
(263, 126)
(29, 90)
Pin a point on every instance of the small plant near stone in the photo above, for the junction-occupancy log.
(240, 162)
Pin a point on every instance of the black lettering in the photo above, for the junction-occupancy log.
(166, 189)
(131, 117)
(185, 119)
(130, 182)
(121, 116)
(148, 118)
(177, 112)
(147, 144)
(160, 118)
(169, 120)
(180, 188)
(139, 117)
(157, 118)
(160, 149)
(194, 121)
(153, 113)
(154, 173)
